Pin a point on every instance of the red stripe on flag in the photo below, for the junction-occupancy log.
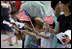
(49, 19)
(22, 16)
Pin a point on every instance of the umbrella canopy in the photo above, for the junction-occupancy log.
(33, 8)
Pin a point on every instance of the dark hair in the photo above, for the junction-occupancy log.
(28, 22)
(70, 41)
(54, 3)
(18, 20)
(33, 20)
(67, 2)
(52, 25)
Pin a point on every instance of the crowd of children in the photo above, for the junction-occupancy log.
(52, 31)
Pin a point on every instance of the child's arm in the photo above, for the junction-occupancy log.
(36, 33)
(42, 35)
(29, 33)
(54, 31)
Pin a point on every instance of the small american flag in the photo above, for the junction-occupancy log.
(22, 16)
(47, 19)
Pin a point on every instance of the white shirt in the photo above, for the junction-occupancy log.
(60, 46)
(47, 43)
(64, 46)
(68, 46)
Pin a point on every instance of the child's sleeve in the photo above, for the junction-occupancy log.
(49, 35)
(43, 35)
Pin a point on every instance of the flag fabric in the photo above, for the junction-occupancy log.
(27, 14)
(29, 18)
(8, 38)
(47, 19)
(36, 46)
(42, 14)
(18, 4)
(22, 16)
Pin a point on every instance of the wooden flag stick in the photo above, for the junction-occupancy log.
(30, 19)
(32, 26)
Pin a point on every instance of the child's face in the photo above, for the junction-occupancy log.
(46, 27)
(67, 40)
(51, 26)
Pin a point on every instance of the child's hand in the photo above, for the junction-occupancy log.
(33, 30)
(23, 31)
(46, 27)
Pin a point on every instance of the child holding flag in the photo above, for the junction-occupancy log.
(33, 8)
(46, 36)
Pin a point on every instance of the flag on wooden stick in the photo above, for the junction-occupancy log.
(22, 16)
(47, 19)
(30, 19)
